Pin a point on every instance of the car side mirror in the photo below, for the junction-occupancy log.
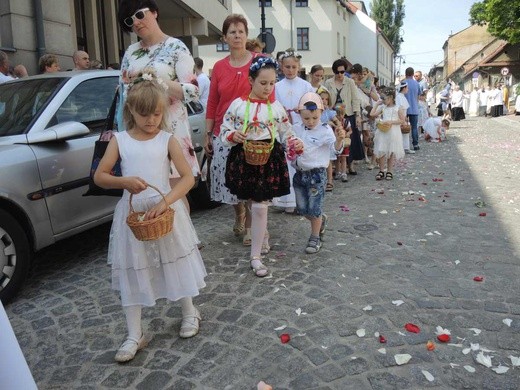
(59, 132)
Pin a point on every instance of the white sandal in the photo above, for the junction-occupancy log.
(246, 240)
(129, 348)
(260, 270)
(190, 325)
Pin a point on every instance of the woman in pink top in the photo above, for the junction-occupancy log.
(229, 80)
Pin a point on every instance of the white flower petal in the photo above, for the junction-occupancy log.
(428, 375)
(465, 351)
(376, 334)
(382, 351)
(367, 308)
(298, 311)
(500, 369)
(281, 327)
(383, 212)
(402, 358)
(507, 321)
(324, 347)
(440, 330)
(453, 365)
(476, 330)
(485, 360)
(401, 333)
(276, 289)
(436, 232)
(429, 234)
(360, 332)
(457, 262)
(474, 347)
(456, 345)
(469, 368)
(341, 244)
(515, 361)
(398, 302)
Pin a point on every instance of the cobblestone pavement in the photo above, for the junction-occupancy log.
(418, 239)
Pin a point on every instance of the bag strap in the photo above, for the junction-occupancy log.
(271, 121)
(109, 122)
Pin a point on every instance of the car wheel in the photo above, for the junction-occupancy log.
(15, 257)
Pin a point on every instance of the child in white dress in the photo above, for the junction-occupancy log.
(170, 267)
(388, 145)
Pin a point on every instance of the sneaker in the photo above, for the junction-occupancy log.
(324, 219)
(416, 147)
(408, 151)
(337, 176)
(344, 177)
(314, 245)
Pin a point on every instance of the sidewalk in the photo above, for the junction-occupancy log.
(395, 252)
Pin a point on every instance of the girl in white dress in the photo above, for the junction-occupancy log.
(388, 145)
(169, 267)
(288, 92)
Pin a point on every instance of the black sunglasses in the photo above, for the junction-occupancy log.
(139, 15)
(340, 71)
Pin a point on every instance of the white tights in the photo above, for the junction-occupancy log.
(133, 316)
(258, 227)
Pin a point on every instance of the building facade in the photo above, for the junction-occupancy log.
(320, 30)
(31, 28)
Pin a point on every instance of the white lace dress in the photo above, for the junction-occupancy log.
(386, 143)
(170, 267)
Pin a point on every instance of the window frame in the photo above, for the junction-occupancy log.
(300, 36)
(268, 3)
(302, 3)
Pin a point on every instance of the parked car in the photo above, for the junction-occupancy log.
(48, 126)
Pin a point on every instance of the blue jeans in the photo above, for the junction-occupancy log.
(309, 188)
(413, 124)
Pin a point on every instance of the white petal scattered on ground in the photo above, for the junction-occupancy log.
(376, 334)
(453, 365)
(281, 327)
(440, 330)
(225, 243)
(515, 361)
(382, 351)
(339, 284)
(341, 244)
(394, 224)
(456, 345)
(401, 333)
(367, 308)
(429, 234)
(398, 302)
(500, 369)
(301, 334)
(324, 347)
(283, 285)
(457, 262)
(465, 351)
(469, 368)
(428, 376)
(486, 350)
(360, 332)
(507, 321)
(485, 360)
(270, 276)
(474, 347)
(298, 311)
(276, 289)
(477, 331)
(402, 358)
(370, 216)
(343, 275)
(383, 212)
(353, 357)
(438, 233)
(422, 240)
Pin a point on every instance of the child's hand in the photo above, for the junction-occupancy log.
(156, 210)
(239, 137)
(134, 184)
(298, 145)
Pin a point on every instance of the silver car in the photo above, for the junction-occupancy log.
(48, 126)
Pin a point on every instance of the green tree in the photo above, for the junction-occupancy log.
(501, 16)
(389, 16)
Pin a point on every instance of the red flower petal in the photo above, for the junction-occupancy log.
(478, 278)
(285, 338)
(382, 339)
(443, 338)
(412, 328)
(430, 346)
(482, 214)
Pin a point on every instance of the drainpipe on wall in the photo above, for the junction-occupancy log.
(377, 52)
(40, 36)
(292, 24)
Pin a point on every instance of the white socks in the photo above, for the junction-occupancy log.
(133, 321)
(187, 306)
(258, 227)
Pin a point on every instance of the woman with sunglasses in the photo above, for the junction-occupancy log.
(171, 61)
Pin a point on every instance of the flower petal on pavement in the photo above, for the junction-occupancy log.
(402, 358)
(507, 321)
(500, 369)
(412, 328)
(485, 360)
(428, 376)
(469, 368)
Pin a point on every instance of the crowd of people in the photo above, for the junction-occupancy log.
(273, 139)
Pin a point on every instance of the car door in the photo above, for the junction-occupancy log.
(64, 165)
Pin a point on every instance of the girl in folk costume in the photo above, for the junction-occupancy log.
(255, 118)
(288, 92)
(171, 266)
(388, 143)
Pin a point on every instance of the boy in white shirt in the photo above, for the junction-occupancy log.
(310, 178)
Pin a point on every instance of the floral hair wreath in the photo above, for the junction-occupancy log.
(290, 53)
(147, 74)
(262, 62)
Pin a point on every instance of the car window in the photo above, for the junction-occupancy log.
(22, 101)
(194, 108)
(88, 103)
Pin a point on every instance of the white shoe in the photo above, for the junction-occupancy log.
(408, 151)
(190, 325)
(129, 348)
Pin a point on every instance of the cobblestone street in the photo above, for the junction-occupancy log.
(420, 239)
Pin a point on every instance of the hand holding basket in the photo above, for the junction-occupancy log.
(383, 126)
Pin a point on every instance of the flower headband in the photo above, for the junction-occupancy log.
(290, 53)
(262, 62)
(147, 74)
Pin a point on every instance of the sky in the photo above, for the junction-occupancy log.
(427, 25)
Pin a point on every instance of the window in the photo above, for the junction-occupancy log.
(268, 3)
(338, 43)
(222, 46)
(302, 38)
(302, 3)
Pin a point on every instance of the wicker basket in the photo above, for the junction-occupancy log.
(151, 229)
(258, 152)
(405, 129)
(383, 126)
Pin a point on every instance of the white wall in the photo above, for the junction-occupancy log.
(363, 41)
